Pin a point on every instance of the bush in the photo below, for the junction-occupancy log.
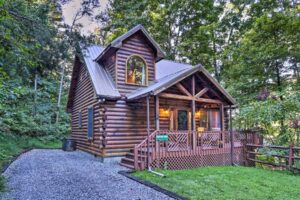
(267, 156)
(16, 110)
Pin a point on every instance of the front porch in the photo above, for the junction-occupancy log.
(191, 120)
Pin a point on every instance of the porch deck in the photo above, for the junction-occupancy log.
(188, 149)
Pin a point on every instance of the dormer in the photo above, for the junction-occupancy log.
(130, 59)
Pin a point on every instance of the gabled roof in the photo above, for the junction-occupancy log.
(102, 81)
(168, 73)
(117, 43)
(168, 67)
(184, 70)
(163, 83)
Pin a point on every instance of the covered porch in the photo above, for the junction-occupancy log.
(192, 114)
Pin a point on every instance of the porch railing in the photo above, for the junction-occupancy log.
(164, 142)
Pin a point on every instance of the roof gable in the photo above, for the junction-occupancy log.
(167, 81)
(117, 43)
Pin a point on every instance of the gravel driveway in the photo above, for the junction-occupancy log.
(54, 174)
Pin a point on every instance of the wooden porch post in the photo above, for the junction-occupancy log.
(222, 125)
(155, 153)
(231, 136)
(193, 113)
(157, 112)
(148, 131)
(222, 117)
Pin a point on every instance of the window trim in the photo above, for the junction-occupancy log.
(132, 55)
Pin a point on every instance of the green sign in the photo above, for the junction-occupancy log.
(162, 137)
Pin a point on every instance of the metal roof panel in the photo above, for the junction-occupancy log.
(102, 81)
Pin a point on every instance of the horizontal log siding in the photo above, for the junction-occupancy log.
(110, 66)
(125, 125)
(136, 44)
(83, 98)
(164, 103)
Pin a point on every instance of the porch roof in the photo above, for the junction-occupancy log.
(167, 81)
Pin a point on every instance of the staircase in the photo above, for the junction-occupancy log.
(139, 154)
(128, 160)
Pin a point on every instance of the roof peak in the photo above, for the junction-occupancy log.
(117, 43)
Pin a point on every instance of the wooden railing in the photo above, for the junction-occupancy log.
(182, 143)
(284, 157)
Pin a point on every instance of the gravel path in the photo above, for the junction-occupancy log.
(54, 174)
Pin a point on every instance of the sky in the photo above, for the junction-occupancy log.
(70, 9)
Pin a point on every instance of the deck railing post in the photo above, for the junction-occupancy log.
(135, 154)
(291, 155)
(148, 132)
(193, 114)
(194, 140)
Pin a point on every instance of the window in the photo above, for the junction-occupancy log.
(79, 119)
(209, 119)
(203, 120)
(136, 70)
(215, 121)
(90, 123)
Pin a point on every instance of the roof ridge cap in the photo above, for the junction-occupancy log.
(177, 62)
(186, 69)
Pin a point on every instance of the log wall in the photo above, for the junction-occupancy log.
(110, 65)
(125, 125)
(83, 98)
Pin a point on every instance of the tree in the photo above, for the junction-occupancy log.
(267, 59)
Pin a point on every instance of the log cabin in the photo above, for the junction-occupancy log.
(126, 99)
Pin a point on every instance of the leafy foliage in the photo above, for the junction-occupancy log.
(249, 46)
(11, 145)
(32, 51)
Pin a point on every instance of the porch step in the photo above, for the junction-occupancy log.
(131, 155)
(126, 165)
(128, 161)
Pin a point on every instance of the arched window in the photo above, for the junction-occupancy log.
(136, 70)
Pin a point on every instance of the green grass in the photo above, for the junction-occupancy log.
(11, 145)
(228, 183)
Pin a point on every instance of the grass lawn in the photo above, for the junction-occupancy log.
(11, 145)
(228, 183)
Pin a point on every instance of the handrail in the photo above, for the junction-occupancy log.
(139, 154)
(145, 140)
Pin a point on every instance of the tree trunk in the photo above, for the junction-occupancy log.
(217, 75)
(60, 91)
(279, 88)
(35, 94)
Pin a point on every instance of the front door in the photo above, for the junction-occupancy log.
(182, 120)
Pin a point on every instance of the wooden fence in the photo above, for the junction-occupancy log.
(279, 157)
